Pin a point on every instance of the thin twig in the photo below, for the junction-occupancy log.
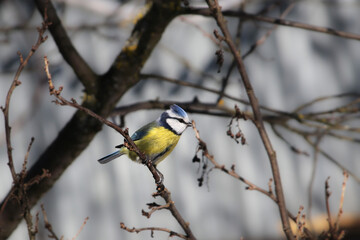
(319, 137)
(73, 103)
(19, 191)
(333, 160)
(48, 225)
(192, 85)
(261, 40)
(129, 143)
(23, 62)
(277, 21)
(327, 196)
(324, 98)
(291, 146)
(24, 166)
(154, 209)
(70, 54)
(232, 173)
(215, 10)
(81, 228)
(152, 229)
(300, 223)
(337, 221)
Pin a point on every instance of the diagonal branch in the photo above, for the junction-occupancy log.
(19, 189)
(152, 230)
(81, 128)
(82, 70)
(215, 9)
(231, 172)
(277, 21)
(129, 143)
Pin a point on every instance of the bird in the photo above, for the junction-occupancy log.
(157, 139)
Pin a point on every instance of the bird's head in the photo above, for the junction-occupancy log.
(175, 119)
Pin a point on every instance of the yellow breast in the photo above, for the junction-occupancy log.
(156, 145)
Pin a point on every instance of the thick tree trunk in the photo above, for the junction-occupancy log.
(102, 94)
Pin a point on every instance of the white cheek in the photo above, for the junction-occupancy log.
(178, 127)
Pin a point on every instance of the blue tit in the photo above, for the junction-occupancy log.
(156, 139)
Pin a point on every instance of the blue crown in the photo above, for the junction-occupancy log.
(178, 110)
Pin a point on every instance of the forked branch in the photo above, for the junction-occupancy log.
(129, 143)
(216, 12)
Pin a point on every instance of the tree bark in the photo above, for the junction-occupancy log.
(101, 95)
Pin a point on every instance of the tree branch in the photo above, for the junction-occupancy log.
(82, 70)
(129, 143)
(215, 10)
(231, 172)
(81, 128)
(152, 229)
(278, 21)
(18, 193)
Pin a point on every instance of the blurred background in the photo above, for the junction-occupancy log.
(292, 67)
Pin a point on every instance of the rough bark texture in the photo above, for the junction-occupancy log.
(101, 95)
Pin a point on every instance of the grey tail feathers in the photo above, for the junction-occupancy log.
(110, 157)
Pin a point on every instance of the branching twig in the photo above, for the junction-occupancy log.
(333, 160)
(62, 101)
(19, 191)
(50, 229)
(337, 221)
(129, 143)
(215, 10)
(154, 208)
(250, 186)
(81, 228)
(276, 119)
(23, 62)
(327, 196)
(277, 21)
(334, 233)
(70, 54)
(48, 225)
(239, 135)
(152, 229)
(261, 40)
(300, 223)
(291, 146)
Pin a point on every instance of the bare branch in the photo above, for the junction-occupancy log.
(154, 208)
(82, 70)
(250, 186)
(278, 21)
(129, 143)
(327, 196)
(333, 160)
(215, 10)
(62, 101)
(261, 40)
(19, 190)
(152, 229)
(337, 221)
(300, 223)
(23, 62)
(334, 233)
(81, 228)
(48, 225)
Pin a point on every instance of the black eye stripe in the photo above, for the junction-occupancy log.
(179, 119)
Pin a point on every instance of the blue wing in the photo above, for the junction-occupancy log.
(140, 133)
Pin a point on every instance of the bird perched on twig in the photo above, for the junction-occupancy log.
(157, 139)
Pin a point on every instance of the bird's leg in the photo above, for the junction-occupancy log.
(158, 176)
(161, 176)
